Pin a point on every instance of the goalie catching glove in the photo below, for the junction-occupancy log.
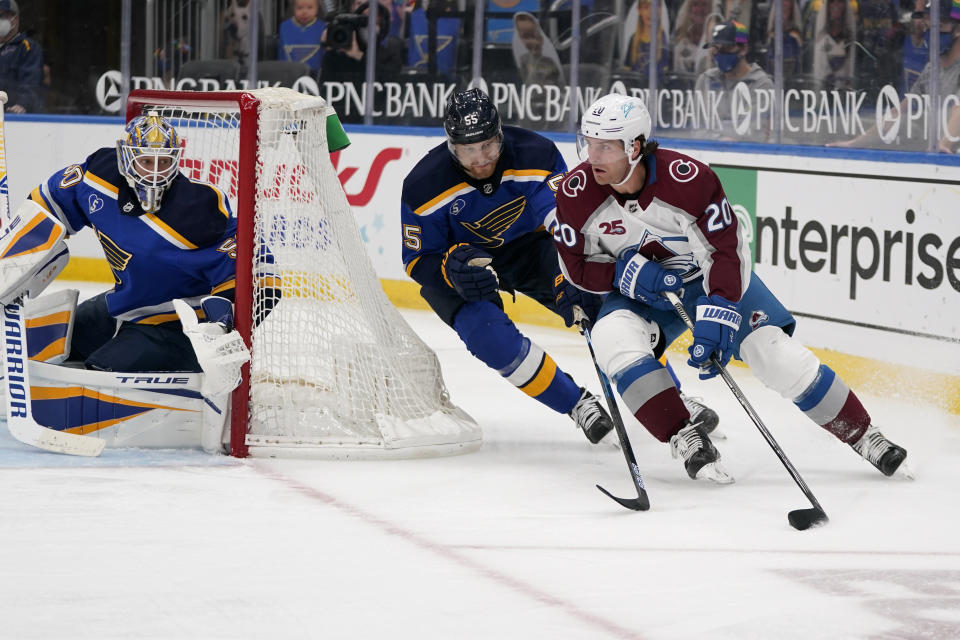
(220, 350)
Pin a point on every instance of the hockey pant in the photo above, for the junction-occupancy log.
(629, 335)
(100, 344)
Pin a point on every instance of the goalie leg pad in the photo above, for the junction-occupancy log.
(493, 339)
(49, 321)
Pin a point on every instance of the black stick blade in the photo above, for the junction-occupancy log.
(803, 519)
(640, 503)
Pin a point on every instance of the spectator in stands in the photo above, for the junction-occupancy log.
(689, 37)
(949, 77)
(792, 40)
(742, 11)
(729, 45)
(300, 36)
(536, 57)
(21, 63)
(833, 45)
(638, 49)
(916, 50)
(880, 34)
(345, 59)
(447, 36)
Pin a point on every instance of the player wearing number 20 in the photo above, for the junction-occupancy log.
(637, 221)
(474, 212)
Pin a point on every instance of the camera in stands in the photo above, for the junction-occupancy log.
(341, 29)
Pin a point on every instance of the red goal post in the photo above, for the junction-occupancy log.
(335, 370)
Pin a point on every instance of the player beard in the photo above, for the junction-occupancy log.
(481, 172)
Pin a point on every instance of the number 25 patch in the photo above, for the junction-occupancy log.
(614, 228)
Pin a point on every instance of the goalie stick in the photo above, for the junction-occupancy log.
(800, 519)
(642, 501)
(20, 419)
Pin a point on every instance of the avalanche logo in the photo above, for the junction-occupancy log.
(95, 203)
(659, 248)
(683, 170)
(698, 351)
(670, 280)
(574, 184)
(758, 318)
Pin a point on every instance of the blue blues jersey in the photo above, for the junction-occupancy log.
(441, 206)
(187, 249)
(301, 43)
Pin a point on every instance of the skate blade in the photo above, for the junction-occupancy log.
(903, 472)
(717, 434)
(610, 440)
(715, 473)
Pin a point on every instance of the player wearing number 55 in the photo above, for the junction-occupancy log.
(475, 213)
(636, 221)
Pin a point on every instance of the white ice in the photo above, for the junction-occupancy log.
(513, 541)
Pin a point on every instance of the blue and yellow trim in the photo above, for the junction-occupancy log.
(82, 411)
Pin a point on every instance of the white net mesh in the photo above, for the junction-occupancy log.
(335, 370)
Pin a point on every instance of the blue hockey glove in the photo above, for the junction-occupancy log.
(467, 269)
(569, 299)
(718, 321)
(644, 280)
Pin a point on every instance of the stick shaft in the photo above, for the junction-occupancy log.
(742, 399)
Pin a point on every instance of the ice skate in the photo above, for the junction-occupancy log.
(887, 457)
(591, 417)
(700, 458)
(707, 417)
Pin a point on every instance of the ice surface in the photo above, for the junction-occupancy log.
(513, 541)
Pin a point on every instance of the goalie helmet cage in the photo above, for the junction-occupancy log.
(335, 371)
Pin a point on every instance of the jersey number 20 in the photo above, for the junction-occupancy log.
(719, 216)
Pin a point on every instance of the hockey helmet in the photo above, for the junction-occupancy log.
(615, 117)
(148, 155)
(470, 117)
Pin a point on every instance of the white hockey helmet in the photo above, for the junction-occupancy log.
(615, 117)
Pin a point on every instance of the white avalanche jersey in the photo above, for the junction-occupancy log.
(681, 219)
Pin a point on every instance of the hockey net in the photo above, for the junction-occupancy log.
(335, 370)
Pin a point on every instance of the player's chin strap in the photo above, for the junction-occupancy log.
(219, 348)
(633, 167)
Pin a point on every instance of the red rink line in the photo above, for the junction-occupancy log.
(449, 553)
(811, 552)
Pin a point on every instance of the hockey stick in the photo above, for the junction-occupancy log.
(20, 419)
(642, 501)
(799, 519)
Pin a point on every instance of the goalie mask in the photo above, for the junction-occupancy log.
(148, 155)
